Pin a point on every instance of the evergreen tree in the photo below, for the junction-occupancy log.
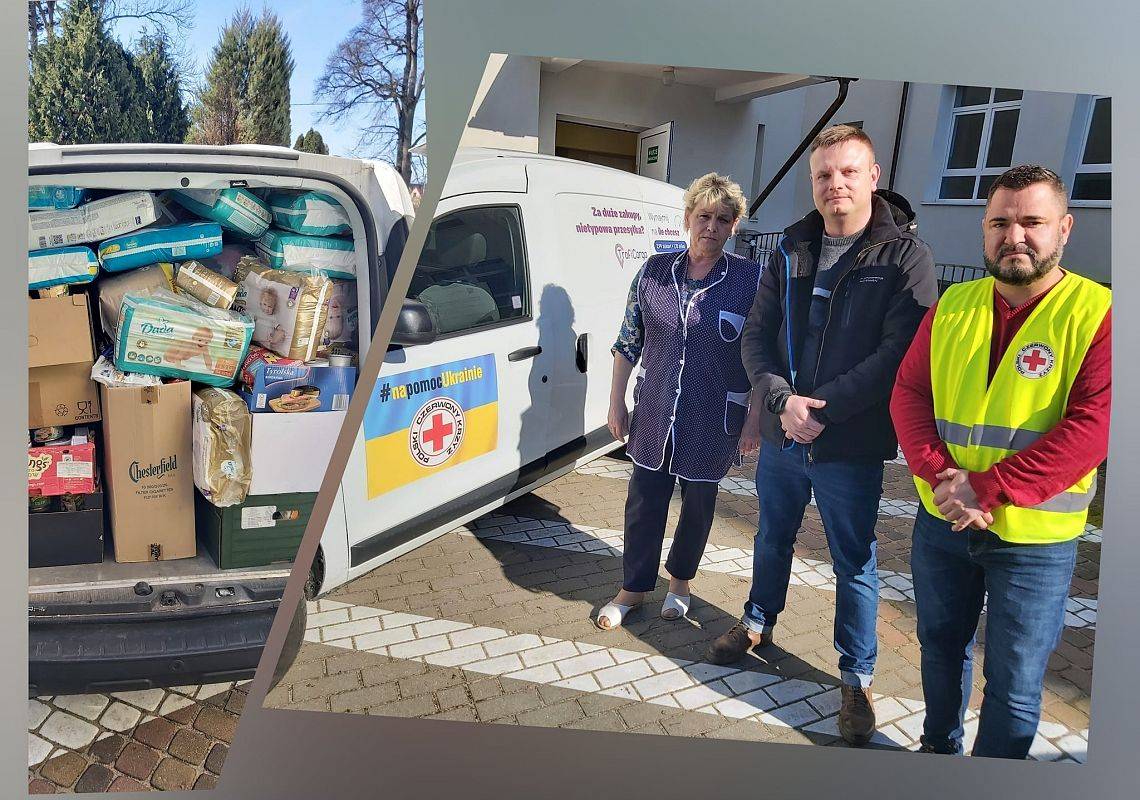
(83, 86)
(160, 91)
(312, 142)
(219, 115)
(270, 68)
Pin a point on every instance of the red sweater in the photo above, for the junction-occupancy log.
(1053, 463)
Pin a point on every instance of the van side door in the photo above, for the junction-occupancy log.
(452, 426)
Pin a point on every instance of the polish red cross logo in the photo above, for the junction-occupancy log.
(436, 431)
(1035, 360)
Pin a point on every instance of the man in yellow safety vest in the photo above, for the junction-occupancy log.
(1001, 407)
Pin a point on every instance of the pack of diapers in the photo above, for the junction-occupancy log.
(288, 310)
(161, 333)
(57, 266)
(342, 323)
(50, 198)
(310, 213)
(184, 242)
(222, 433)
(296, 252)
(113, 288)
(92, 222)
(236, 210)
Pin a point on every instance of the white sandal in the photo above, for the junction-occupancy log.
(675, 606)
(613, 614)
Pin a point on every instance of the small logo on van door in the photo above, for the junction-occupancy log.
(436, 431)
(628, 254)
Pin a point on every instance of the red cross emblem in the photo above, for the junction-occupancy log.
(436, 431)
(1035, 360)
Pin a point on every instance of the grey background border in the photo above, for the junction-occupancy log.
(1047, 44)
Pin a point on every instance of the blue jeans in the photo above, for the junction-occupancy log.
(1027, 585)
(847, 494)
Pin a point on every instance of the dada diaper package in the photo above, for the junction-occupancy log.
(310, 254)
(222, 431)
(288, 309)
(161, 333)
(310, 213)
(167, 243)
(236, 210)
(92, 222)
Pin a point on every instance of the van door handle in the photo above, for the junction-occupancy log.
(582, 352)
(524, 353)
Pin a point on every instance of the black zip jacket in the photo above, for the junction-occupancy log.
(874, 311)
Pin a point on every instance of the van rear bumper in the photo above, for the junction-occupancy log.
(81, 657)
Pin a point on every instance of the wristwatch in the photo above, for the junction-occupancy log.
(777, 400)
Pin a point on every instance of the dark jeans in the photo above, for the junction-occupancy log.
(847, 495)
(646, 511)
(1027, 585)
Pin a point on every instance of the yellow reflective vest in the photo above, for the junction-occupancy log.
(982, 424)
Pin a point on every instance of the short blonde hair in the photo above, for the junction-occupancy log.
(713, 189)
(838, 134)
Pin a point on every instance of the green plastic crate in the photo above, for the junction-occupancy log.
(265, 529)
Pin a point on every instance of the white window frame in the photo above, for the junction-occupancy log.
(945, 140)
(1075, 150)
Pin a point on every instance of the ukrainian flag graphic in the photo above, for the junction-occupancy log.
(426, 420)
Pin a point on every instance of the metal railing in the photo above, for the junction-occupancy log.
(949, 274)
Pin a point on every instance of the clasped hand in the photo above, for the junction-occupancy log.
(957, 501)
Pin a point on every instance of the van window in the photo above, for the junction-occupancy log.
(472, 270)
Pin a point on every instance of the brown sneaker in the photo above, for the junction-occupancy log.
(731, 646)
(856, 715)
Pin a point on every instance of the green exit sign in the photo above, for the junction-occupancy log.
(651, 155)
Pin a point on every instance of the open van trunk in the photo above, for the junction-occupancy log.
(121, 626)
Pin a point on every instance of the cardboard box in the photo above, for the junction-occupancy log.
(290, 452)
(60, 357)
(148, 469)
(61, 538)
(265, 529)
(61, 469)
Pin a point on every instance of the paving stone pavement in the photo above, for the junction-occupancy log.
(479, 626)
(154, 739)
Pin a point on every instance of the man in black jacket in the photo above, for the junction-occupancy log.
(837, 307)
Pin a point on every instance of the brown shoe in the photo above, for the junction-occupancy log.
(731, 646)
(856, 716)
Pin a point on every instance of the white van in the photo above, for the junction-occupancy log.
(498, 377)
(111, 626)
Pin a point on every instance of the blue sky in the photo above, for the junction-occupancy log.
(315, 27)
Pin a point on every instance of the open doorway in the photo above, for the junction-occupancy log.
(610, 147)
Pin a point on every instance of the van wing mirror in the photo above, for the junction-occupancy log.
(414, 325)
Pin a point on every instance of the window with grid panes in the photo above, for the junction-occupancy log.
(1092, 180)
(983, 127)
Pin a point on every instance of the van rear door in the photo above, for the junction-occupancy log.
(455, 425)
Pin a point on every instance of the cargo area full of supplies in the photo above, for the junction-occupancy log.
(191, 356)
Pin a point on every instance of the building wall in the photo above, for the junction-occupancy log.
(505, 109)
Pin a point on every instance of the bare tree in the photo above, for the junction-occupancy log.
(166, 17)
(378, 70)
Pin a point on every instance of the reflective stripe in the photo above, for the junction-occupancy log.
(1067, 502)
(996, 436)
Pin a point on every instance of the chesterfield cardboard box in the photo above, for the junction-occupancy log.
(60, 356)
(149, 471)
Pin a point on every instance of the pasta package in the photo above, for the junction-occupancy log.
(113, 288)
(176, 336)
(310, 213)
(222, 434)
(289, 310)
(312, 254)
(205, 285)
(237, 210)
(167, 243)
(60, 266)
